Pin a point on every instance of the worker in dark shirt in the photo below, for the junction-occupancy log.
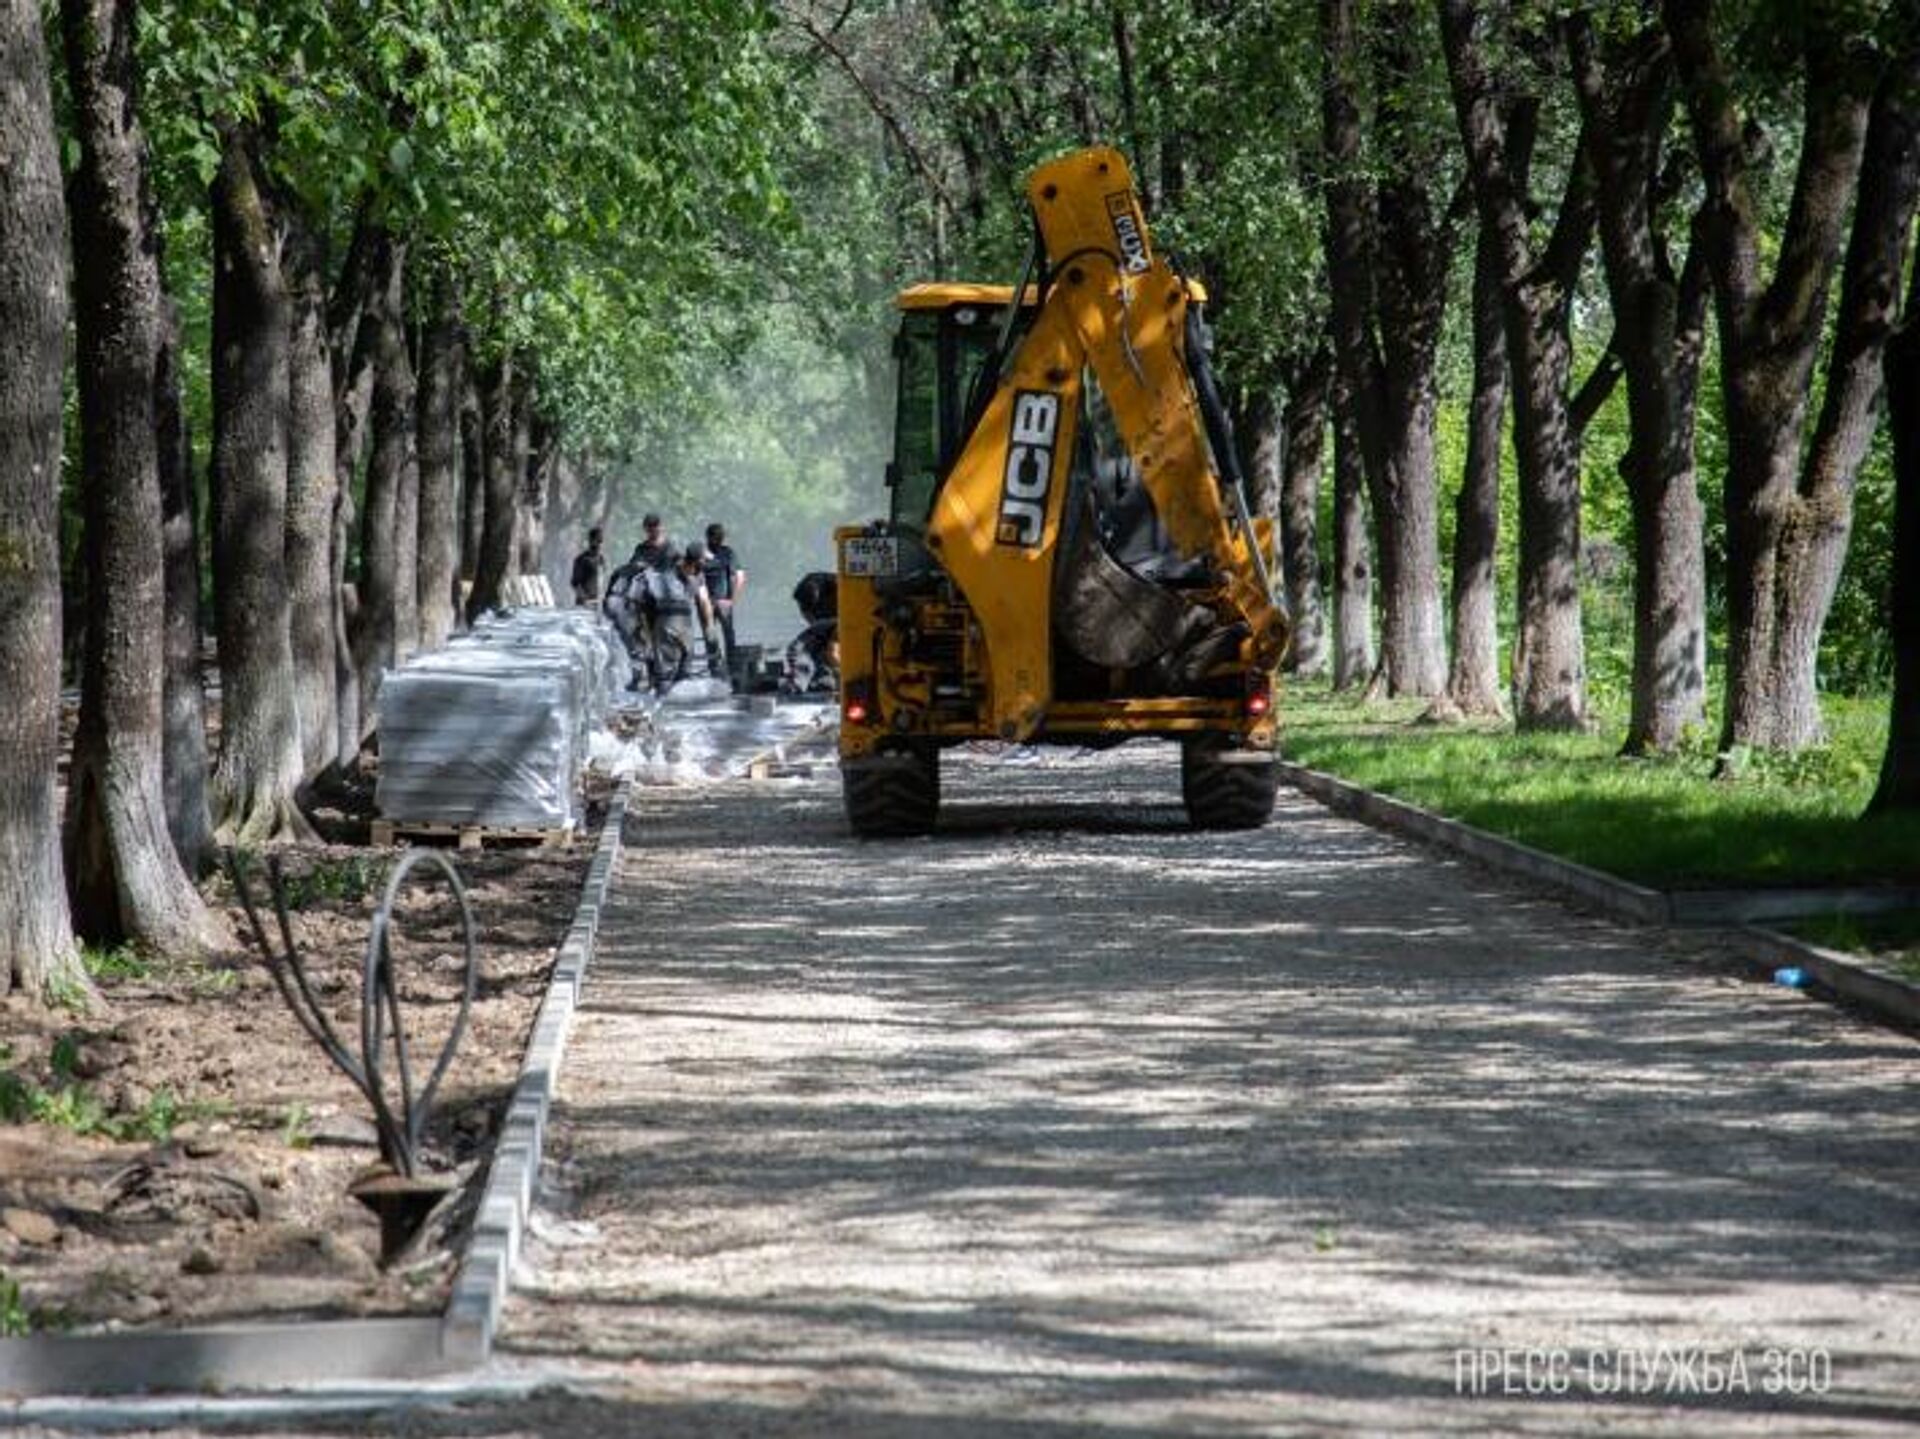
(654, 545)
(726, 581)
(588, 568)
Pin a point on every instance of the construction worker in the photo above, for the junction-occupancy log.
(625, 605)
(726, 581)
(672, 618)
(588, 566)
(655, 547)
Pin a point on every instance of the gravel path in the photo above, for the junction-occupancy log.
(1069, 1121)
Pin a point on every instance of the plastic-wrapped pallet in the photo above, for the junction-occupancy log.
(595, 637)
(487, 734)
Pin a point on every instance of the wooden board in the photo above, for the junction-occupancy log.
(389, 832)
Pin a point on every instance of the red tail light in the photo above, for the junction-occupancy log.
(1259, 700)
(858, 708)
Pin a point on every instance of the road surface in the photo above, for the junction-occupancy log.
(1068, 1121)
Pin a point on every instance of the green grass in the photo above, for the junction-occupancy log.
(121, 961)
(15, 1322)
(1664, 822)
(72, 1105)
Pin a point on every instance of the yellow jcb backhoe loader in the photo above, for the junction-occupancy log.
(1070, 557)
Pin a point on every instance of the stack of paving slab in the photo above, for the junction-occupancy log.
(493, 729)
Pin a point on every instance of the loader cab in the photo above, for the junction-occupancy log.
(947, 334)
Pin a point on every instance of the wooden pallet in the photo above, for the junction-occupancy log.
(389, 832)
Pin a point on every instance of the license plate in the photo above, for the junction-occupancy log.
(870, 557)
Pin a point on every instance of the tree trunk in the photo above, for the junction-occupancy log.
(183, 759)
(260, 767)
(473, 473)
(1388, 257)
(1473, 684)
(346, 623)
(1659, 336)
(406, 499)
(1308, 388)
(440, 365)
(501, 492)
(530, 527)
(37, 950)
(1819, 519)
(392, 425)
(1352, 568)
(312, 486)
(1899, 787)
(1536, 285)
(564, 533)
(1769, 330)
(124, 878)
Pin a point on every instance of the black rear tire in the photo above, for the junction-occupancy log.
(1226, 788)
(897, 793)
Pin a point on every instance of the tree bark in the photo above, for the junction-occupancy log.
(1388, 257)
(1473, 683)
(124, 878)
(183, 759)
(1536, 285)
(37, 949)
(439, 527)
(1309, 385)
(1352, 564)
(473, 473)
(258, 775)
(312, 496)
(1819, 518)
(530, 526)
(406, 495)
(1769, 329)
(1659, 318)
(562, 532)
(392, 424)
(1899, 786)
(501, 492)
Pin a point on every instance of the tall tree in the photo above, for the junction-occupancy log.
(438, 447)
(1536, 286)
(1352, 566)
(1625, 91)
(392, 427)
(501, 494)
(1309, 386)
(1819, 516)
(1389, 253)
(1899, 787)
(258, 776)
(312, 493)
(37, 950)
(473, 471)
(124, 875)
(183, 760)
(1473, 682)
(1769, 328)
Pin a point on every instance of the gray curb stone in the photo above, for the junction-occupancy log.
(480, 1285)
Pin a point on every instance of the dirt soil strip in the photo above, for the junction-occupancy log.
(299, 1349)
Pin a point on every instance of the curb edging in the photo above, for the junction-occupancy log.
(480, 1285)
